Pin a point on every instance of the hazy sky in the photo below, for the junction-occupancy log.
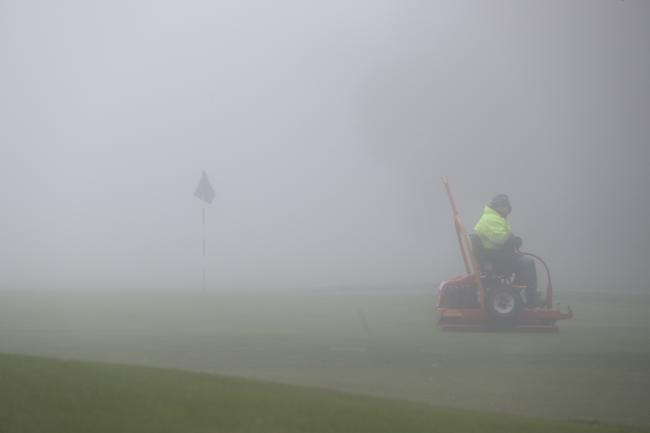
(325, 127)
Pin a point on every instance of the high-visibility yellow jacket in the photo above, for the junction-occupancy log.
(492, 228)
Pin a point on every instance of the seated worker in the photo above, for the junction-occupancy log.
(502, 247)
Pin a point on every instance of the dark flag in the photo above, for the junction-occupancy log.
(204, 190)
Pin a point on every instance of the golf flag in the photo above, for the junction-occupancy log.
(204, 190)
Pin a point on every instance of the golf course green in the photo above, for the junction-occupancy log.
(328, 360)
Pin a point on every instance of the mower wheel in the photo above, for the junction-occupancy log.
(503, 304)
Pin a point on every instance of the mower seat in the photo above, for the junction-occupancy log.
(479, 253)
(487, 268)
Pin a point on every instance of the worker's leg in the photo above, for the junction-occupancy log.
(526, 274)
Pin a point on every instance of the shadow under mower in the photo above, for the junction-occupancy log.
(485, 301)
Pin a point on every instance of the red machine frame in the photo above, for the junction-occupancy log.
(540, 319)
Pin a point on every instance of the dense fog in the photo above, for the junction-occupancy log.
(324, 128)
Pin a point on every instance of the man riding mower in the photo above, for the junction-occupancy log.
(489, 296)
(497, 249)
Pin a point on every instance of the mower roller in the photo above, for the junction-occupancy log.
(483, 300)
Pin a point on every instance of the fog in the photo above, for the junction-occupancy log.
(324, 128)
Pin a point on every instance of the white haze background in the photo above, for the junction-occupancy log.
(325, 127)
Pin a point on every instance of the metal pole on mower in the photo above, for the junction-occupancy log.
(471, 264)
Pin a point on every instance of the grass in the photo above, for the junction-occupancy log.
(44, 395)
(597, 369)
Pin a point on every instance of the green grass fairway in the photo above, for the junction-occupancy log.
(42, 395)
(375, 343)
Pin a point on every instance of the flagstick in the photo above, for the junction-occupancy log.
(205, 193)
(204, 248)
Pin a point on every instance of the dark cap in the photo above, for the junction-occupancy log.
(500, 200)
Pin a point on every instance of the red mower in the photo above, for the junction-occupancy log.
(483, 300)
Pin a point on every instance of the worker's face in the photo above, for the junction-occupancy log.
(503, 211)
